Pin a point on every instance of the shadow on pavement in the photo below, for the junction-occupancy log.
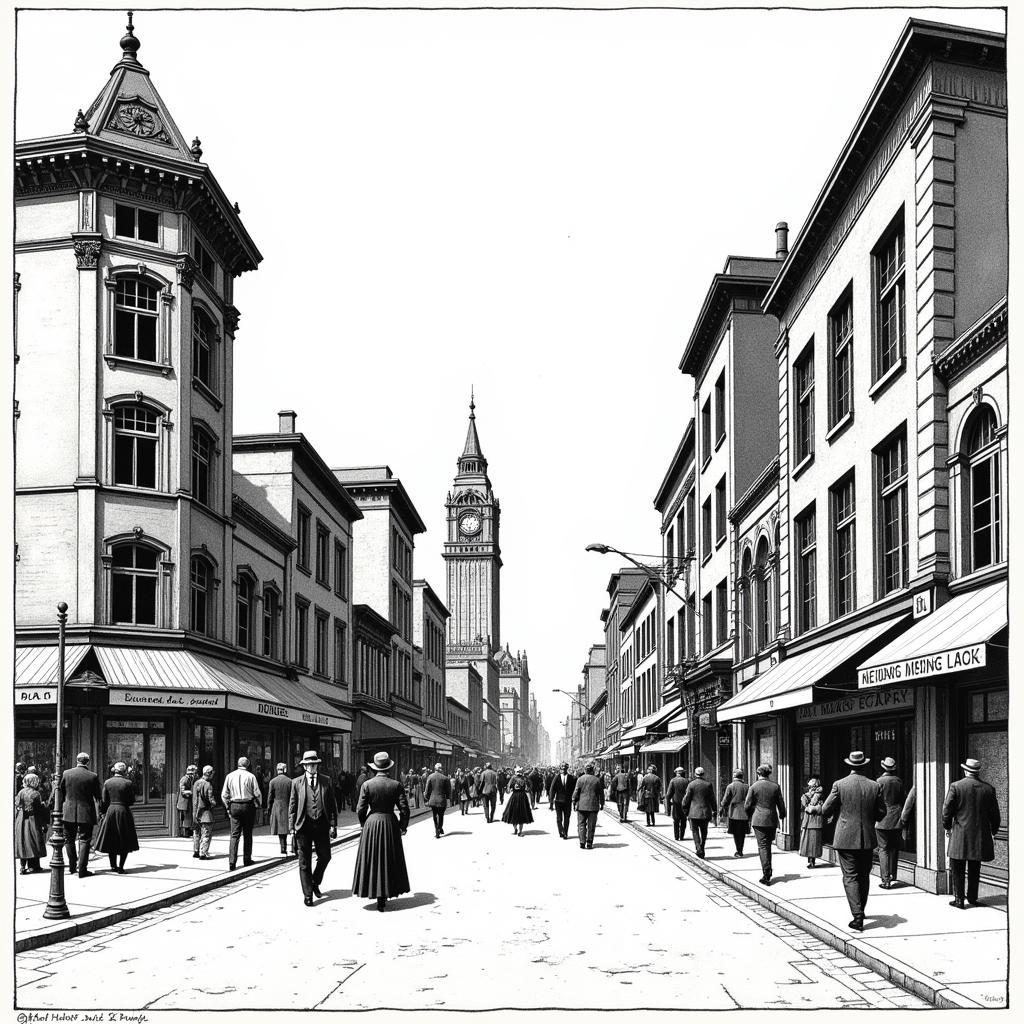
(142, 869)
(873, 921)
(447, 833)
(534, 832)
(335, 894)
(609, 846)
(420, 899)
(785, 878)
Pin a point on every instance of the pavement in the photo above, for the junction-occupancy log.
(494, 921)
(163, 872)
(907, 931)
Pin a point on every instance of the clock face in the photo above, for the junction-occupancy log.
(137, 119)
(470, 524)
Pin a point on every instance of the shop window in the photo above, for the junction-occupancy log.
(983, 490)
(136, 436)
(206, 747)
(135, 319)
(143, 748)
(133, 584)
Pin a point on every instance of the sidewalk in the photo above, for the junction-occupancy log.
(161, 873)
(907, 932)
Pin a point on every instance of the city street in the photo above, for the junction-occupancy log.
(494, 921)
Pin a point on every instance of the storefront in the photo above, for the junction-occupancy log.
(704, 691)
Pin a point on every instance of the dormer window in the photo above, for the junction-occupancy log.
(135, 320)
(135, 222)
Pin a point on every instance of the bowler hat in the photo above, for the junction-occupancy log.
(972, 765)
(699, 772)
(888, 763)
(381, 762)
(857, 759)
(310, 757)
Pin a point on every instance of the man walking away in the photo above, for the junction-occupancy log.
(737, 821)
(765, 808)
(699, 808)
(502, 785)
(80, 793)
(203, 802)
(438, 791)
(357, 788)
(489, 791)
(536, 785)
(648, 793)
(241, 796)
(970, 816)
(279, 795)
(858, 803)
(587, 799)
(183, 805)
(888, 830)
(618, 790)
(674, 793)
(313, 820)
(560, 795)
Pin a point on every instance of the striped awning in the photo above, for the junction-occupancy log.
(671, 745)
(35, 672)
(651, 722)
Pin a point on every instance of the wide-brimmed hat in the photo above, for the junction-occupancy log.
(310, 757)
(857, 759)
(381, 762)
(888, 763)
(972, 765)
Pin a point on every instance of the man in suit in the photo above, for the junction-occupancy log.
(438, 791)
(765, 808)
(489, 791)
(560, 794)
(734, 812)
(502, 785)
(313, 820)
(858, 803)
(183, 805)
(618, 790)
(80, 794)
(970, 816)
(889, 830)
(536, 785)
(203, 801)
(279, 795)
(674, 795)
(587, 799)
(648, 793)
(699, 809)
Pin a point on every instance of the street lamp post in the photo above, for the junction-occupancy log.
(56, 905)
(584, 710)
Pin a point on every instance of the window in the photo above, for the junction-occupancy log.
(746, 612)
(806, 572)
(765, 585)
(133, 585)
(202, 458)
(320, 664)
(133, 222)
(204, 261)
(270, 610)
(706, 623)
(200, 596)
(302, 551)
(202, 352)
(840, 333)
(670, 641)
(890, 298)
(135, 319)
(681, 632)
(670, 547)
(803, 413)
(895, 549)
(340, 569)
(680, 539)
(691, 520)
(720, 408)
(301, 632)
(983, 490)
(243, 612)
(722, 611)
(705, 546)
(720, 517)
(135, 446)
(844, 558)
(340, 648)
(323, 556)
(705, 431)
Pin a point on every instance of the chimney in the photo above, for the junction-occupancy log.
(781, 240)
(286, 421)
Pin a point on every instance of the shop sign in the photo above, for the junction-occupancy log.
(724, 739)
(858, 703)
(26, 696)
(703, 698)
(167, 699)
(959, 659)
(922, 604)
(268, 709)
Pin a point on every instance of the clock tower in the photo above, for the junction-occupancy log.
(471, 551)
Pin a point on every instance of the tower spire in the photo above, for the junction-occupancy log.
(472, 459)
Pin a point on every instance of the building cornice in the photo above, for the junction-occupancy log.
(390, 489)
(988, 331)
(766, 479)
(676, 467)
(245, 514)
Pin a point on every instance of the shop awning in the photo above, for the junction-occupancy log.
(672, 745)
(35, 672)
(396, 728)
(678, 724)
(651, 722)
(795, 681)
(953, 638)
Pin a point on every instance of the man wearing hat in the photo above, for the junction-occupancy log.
(858, 804)
(648, 793)
(970, 816)
(438, 791)
(674, 796)
(588, 799)
(183, 805)
(203, 802)
(489, 790)
(560, 794)
(618, 790)
(278, 798)
(313, 820)
(699, 809)
(79, 790)
(765, 809)
(888, 830)
(737, 821)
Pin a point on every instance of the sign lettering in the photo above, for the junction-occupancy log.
(26, 695)
(268, 709)
(960, 659)
(166, 699)
(857, 702)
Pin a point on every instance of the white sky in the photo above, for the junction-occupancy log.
(531, 202)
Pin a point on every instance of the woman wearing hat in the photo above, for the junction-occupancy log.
(811, 821)
(517, 811)
(380, 862)
(30, 820)
(116, 836)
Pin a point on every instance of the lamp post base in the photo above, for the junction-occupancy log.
(56, 905)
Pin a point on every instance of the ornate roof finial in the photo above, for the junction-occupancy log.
(472, 403)
(197, 149)
(129, 44)
(81, 124)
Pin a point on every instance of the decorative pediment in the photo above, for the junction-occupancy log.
(133, 116)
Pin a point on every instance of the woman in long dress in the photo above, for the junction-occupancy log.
(811, 822)
(116, 836)
(462, 790)
(380, 862)
(517, 811)
(30, 820)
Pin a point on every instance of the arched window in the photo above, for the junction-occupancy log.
(746, 612)
(135, 319)
(134, 575)
(136, 435)
(243, 612)
(203, 331)
(763, 594)
(202, 465)
(983, 490)
(200, 596)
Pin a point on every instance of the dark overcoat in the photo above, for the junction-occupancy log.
(970, 813)
(858, 802)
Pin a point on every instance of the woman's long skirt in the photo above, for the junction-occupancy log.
(116, 833)
(380, 862)
(29, 837)
(810, 842)
(517, 810)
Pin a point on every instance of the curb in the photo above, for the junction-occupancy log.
(73, 929)
(894, 971)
